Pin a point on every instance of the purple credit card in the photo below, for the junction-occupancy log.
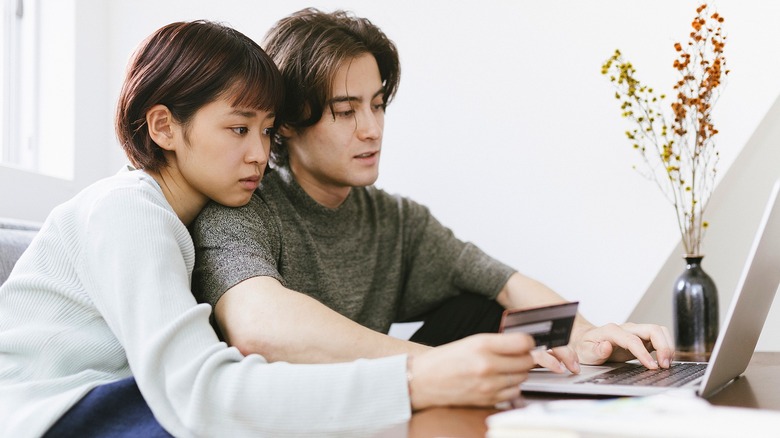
(550, 326)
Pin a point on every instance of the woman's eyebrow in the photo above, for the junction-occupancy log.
(243, 112)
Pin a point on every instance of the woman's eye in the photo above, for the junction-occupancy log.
(347, 113)
(268, 131)
(241, 130)
(379, 106)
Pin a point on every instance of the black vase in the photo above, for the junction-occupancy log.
(695, 312)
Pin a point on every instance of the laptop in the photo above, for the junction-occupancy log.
(732, 351)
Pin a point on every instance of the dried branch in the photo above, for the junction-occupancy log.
(676, 142)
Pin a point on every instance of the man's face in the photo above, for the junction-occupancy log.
(342, 149)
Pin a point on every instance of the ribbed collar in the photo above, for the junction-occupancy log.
(320, 220)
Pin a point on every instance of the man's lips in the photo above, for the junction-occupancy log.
(367, 154)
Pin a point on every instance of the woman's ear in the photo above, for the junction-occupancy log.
(160, 123)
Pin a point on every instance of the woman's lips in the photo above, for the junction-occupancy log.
(251, 182)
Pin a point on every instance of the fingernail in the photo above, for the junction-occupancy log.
(667, 364)
(562, 367)
(576, 367)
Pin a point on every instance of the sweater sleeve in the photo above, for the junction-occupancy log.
(438, 265)
(232, 245)
(136, 264)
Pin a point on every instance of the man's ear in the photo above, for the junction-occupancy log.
(160, 122)
(285, 131)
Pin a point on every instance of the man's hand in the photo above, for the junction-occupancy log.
(611, 343)
(480, 370)
(589, 345)
(619, 343)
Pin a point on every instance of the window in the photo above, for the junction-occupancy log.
(18, 84)
(37, 86)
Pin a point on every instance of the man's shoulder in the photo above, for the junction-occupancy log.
(216, 211)
(262, 215)
(387, 200)
(380, 195)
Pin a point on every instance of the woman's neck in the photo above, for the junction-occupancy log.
(183, 198)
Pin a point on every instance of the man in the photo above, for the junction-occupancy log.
(320, 263)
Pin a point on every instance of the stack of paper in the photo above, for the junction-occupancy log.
(667, 415)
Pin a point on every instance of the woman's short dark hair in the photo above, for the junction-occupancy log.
(309, 47)
(185, 66)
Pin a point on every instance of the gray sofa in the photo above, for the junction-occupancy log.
(15, 236)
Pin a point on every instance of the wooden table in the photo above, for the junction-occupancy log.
(759, 387)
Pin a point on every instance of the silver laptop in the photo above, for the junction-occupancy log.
(732, 351)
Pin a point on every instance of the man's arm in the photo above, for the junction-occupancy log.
(592, 345)
(521, 292)
(259, 315)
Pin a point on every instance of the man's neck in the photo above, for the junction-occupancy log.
(330, 196)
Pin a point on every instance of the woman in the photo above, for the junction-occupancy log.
(99, 332)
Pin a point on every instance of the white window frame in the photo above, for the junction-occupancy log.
(37, 83)
(20, 84)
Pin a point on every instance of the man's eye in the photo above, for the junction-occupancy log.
(241, 130)
(348, 113)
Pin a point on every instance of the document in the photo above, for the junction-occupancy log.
(677, 413)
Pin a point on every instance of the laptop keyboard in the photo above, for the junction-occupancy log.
(634, 374)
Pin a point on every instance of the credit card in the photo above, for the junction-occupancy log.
(550, 326)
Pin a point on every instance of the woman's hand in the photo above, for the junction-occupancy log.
(480, 370)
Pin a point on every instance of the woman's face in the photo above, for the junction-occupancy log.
(342, 149)
(222, 152)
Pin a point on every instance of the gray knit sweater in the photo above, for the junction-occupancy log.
(376, 259)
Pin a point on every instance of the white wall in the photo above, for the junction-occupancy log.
(503, 124)
(737, 206)
(26, 195)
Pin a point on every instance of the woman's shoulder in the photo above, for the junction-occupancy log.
(122, 196)
(127, 185)
(127, 178)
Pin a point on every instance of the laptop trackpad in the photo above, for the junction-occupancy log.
(586, 371)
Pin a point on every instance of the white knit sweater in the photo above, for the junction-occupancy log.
(103, 292)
